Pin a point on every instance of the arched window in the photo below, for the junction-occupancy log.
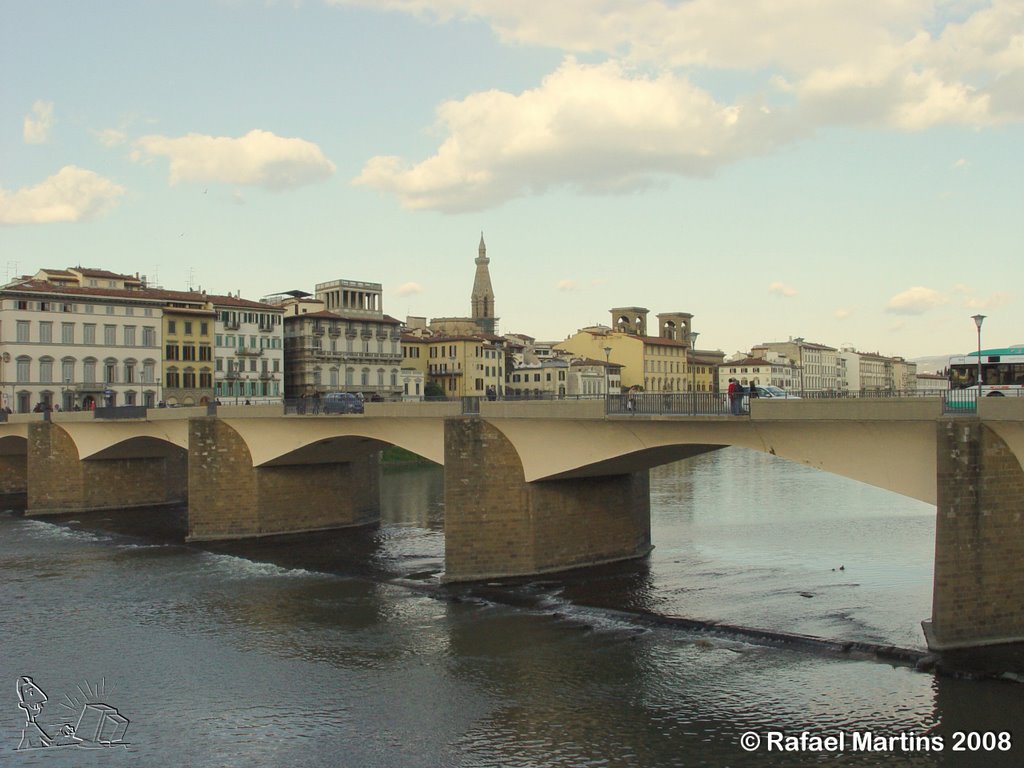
(67, 370)
(89, 370)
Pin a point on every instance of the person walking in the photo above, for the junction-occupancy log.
(735, 398)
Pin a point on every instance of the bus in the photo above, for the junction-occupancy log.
(1002, 372)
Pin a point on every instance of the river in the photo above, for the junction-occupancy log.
(342, 649)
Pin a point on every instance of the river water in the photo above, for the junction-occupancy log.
(342, 649)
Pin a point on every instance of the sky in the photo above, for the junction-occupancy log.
(847, 171)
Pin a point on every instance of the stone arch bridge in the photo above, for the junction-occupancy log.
(543, 487)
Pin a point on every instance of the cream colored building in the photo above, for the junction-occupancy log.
(815, 363)
(462, 366)
(753, 370)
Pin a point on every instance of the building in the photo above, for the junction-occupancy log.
(544, 379)
(249, 344)
(80, 338)
(778, 372)
(188, 333)
(815, 363)
(459, 366)
(665, 363)
(341, 341)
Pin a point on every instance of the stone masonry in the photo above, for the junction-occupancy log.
(497, 525)
(978, 596)
(229, 498)
(13, 475)
(60, 483)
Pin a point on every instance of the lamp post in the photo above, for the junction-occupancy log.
(607, 390)
(693, 372)
(978, 320)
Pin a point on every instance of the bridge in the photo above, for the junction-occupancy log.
(539, 487)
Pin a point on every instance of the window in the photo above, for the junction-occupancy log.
(67, 370)
(110, 310)
(171, 352)
(188, 351)
(172, 327)
(24, 369)
(129, 335)
(129, 371)
(129, 310)
(110, 372)
(46, 370)
(110, 335)
(204, 328)
(173, 378)
(23, 330)
(188, 380)
(188, 327)
(89, 309)
(45, 332)
(89, 371)
(148, 336)
(149, 372)
(67, 333)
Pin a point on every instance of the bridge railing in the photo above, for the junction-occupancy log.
(674, 403)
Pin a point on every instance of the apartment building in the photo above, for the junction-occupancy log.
(79, 338)
(249, 350)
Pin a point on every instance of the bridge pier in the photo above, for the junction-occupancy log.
(59, 482)
(13, 476)
(978, 596)
(497, 525)
(229, 498)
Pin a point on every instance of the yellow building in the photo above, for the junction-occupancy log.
(188, 350)
(462, 366)
(663, 363)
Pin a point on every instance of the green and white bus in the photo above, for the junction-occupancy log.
(1002, 372)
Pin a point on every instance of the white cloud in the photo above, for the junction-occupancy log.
(597, 128)
(408, 289)
(998, 299)
(37, 125)
(112, 137)
(799, 65)
(566, 285)
(842, 313)
(257, 159)
(72, 194)
(781, 289)
(915, 301)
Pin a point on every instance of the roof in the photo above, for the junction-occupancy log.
(325, 314)
(751, 361)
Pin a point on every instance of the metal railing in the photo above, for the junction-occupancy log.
(674, 403)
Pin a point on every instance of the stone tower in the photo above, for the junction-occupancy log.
(482, 300)
(631, 320)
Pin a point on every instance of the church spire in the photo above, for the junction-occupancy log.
(482, 299)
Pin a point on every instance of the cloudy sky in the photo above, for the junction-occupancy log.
(849, 171)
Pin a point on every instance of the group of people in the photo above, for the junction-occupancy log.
(736, 394)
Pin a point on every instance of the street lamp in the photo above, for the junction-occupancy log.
(693, 371)
(978, 320)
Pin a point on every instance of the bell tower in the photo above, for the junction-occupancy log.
(482, 299)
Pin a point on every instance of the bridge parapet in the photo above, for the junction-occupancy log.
(543, 409)
(428, 409)
(868, 409)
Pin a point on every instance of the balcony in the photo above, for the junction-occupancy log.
(334, 331)
(249, 351)
(266, 327)
(232, 325)
(318, 330)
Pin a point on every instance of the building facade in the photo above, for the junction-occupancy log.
(249, 362)
(79, 339)
(343, 343)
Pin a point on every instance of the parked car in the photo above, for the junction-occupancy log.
(769, 390)
(342, 402)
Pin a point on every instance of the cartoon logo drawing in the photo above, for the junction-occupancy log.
(99, 725)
